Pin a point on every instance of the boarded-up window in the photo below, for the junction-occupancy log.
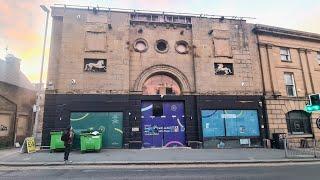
(222, 48)
(4, 125)
(96, 41)
(22, 126)
(97, 18)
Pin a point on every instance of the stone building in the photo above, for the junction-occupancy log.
(17, 97)
(290, 64)
(156, 79)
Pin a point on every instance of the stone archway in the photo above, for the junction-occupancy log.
(170, 71)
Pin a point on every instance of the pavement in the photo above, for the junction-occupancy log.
(170, 172)
(12, 157)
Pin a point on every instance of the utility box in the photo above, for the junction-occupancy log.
(278, 140)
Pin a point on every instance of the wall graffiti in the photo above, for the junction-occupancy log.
(3, 128)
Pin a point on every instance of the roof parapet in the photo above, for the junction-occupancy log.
(148, 12)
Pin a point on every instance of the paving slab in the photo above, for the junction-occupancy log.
(13, 157)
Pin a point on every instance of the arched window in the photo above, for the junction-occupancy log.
(298, 122)
(161, 84)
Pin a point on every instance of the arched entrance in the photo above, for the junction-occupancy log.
(161, 84)
(163, 122)
(163, 69)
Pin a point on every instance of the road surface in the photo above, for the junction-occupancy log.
(198, 172)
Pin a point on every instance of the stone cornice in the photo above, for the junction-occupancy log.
(265, 45)
(264, 29)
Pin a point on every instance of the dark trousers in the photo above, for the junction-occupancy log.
(67, 150)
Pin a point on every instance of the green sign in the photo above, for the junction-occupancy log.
(314, 103)
(109, 123)
(312, 108)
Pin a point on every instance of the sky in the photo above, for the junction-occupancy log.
(22, 22)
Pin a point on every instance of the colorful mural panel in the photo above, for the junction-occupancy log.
(109, 123)
(167, 128)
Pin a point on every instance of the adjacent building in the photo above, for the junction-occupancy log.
(166, 80)
(290, 68)
(17, 97)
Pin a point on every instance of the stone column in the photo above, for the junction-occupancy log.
(264, 63)
(272, 72)
(305, 71)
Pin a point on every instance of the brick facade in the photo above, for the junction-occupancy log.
(304, 66)
(251, 53)
(125, 66)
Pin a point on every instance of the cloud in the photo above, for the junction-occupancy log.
(22, 29)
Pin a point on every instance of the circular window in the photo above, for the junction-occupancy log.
(182, 47)
(140, 45)
(162, 46)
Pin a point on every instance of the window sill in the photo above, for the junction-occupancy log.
(289, 136)
(286, 61)
(287, 66)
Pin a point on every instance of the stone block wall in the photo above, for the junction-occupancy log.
(69, 49)
(238, 35)
(231, 41)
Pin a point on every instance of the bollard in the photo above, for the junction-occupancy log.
(285, 148)
(315, 148)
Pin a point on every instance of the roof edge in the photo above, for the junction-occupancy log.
(265, 29)
(142, 11)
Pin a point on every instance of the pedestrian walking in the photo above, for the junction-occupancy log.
(67, 138)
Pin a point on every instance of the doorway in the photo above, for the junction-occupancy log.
(163, 124)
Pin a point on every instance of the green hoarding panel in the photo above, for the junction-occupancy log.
(114, 130)
(109, 122)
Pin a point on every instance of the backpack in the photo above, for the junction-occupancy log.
(64, 136)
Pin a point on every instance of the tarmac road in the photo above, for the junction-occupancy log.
(286, 171)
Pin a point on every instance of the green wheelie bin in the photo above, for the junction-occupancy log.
(56, 143)
(90, 142)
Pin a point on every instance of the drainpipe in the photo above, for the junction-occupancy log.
(309, 70)
(264, 112)
(260, 62)
(303, 71)
(15, 124)
(193, 63)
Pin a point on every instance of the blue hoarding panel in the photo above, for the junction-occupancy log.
(230, 123)
(212, 125)
(241, 123)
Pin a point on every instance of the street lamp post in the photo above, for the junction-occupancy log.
(36, 121)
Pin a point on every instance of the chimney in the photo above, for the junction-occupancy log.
(13, 62)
